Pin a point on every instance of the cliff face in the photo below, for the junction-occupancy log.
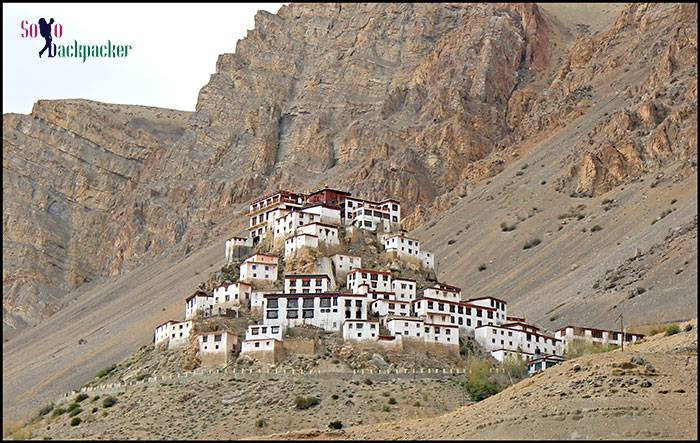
(412, 101)
(64, 167)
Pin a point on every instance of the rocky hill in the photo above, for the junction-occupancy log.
(649, 391)
(473, 115)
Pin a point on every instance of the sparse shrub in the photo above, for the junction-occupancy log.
(94, 409)
(80, 397)
(260, 423)
(673, 329)
(416, 404)
(109, 401)
(552, 318)
(482, 267)
(58, 411)
(386, 408)
(368, 382)
(532, 243)
(335, 424)
(673, 202)
(505, 227)
(45, 410)
(106, 371)
(392, 401)
(76, 421)
(515, 366)
(607, 201)
(596, 228)
(335, 361)
(95, 398)
(75, 412)
(688, 327)
(72, 407)
(302, 402)
(519, 173)
(580, 217)
(577, 348)
(385, 394)
(451, 241)
(334, 397)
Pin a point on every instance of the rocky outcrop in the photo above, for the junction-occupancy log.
(657, 123)
(64, 167)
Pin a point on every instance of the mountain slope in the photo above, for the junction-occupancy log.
(649, 391)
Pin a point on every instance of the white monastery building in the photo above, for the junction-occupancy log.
(259, 267)
(306, 283)
(198, 304)
(408, 248)
(515, 337)
(569, 334)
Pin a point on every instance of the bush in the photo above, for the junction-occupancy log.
(106, 371)
(688, 327)
(94, 409)
(58, 411)
(505, 227)
(596, 228)
(302, 402)
(478, 385)
(417, 404)
(80, 397)
(334, 397)
(335, 424)
(451, 242)
(515, 366)
(75, 412)
(109, 401)
(95, 398)
(577, 348)
(482, 267)
(45, 410)
(368, 382)
(260, 423)
(386, 409)
(673, 329)
(392, 401)
(76, 421)
(532, 243)
(72, 407)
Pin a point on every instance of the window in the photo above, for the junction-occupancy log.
(292, 303)
(325, 302)
(308, 303)
(308, 313)
(217, 337)
(257, 344)
(204, 338)
(293, 314)
(272, 314)
(272, 303)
